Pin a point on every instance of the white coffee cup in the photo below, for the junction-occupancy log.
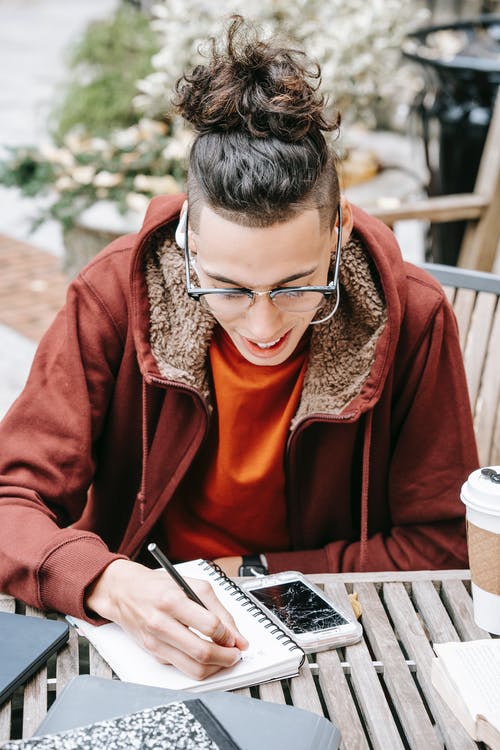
(481, 496)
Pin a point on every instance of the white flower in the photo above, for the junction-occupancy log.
(178, 146)
(129, 157)
(83, 175)
(104, 179)
(151, 128)
(57, 155)
(137, 202)
(100, 145)
(127, 138)
(64, 183)
(165, 185)
(75, 140)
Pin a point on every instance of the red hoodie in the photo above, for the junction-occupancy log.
(118, 402)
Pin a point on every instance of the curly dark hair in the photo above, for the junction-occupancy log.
(260, 155)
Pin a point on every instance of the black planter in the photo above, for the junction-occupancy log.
(456, 106)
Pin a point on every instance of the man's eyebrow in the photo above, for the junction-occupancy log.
(294, 277)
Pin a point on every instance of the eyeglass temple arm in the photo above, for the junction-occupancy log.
(339, 248)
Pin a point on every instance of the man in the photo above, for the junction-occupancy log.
(277, 383)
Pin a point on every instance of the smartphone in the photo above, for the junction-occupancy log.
(303, 611)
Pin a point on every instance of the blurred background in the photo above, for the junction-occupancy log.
(88, 135)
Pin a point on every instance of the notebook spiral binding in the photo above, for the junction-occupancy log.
(214, 570)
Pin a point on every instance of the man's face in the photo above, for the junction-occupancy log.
(292, 253)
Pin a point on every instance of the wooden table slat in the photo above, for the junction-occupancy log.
(420, 733)
(412, 635)
(67, 665)
(98, 666)
(379, 721)
(304, 693)
(5, 720)
(386, 576)
(430, 606)
(35, 693)
(339, 701)
(272, 692)
(459, 604)
(7, 604)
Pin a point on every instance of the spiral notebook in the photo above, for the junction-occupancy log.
(272, 654)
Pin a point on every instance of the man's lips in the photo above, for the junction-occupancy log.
(263, 348)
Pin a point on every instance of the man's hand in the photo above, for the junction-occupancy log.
(150, 606)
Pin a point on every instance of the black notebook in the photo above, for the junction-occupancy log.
(186, 725)
(272, 653)
(25, 645)
(252, 724)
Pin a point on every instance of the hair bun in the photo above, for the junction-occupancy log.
(254, 86)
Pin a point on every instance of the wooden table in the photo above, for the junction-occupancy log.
(377, 691)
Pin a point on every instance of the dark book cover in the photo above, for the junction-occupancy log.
(25, 645)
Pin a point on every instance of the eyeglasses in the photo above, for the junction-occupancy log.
(232, 302)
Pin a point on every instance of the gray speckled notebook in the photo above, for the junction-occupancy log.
(186, 725)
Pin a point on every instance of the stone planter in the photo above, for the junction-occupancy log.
(95, 228)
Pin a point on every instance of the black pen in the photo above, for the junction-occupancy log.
(167, 565)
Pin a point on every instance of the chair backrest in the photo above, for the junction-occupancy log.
(475, 299)
(480, 247)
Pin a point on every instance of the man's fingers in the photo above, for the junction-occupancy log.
(160, 641)
(189, 666)
(215, 622)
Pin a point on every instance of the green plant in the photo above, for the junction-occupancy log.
(105, 65)
(128, 168)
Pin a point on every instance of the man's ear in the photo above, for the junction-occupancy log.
(347, 219)
(180, 232)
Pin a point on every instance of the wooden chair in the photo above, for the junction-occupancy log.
(481, 244)
(475, 299)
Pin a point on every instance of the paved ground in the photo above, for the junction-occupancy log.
(34, 37)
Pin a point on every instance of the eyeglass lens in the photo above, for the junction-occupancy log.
(233, 303)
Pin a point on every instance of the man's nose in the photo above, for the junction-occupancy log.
(263, 318)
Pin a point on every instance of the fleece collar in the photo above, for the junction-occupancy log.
(342, 350)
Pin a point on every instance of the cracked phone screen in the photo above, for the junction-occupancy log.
(298, 607)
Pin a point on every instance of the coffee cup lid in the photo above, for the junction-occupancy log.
(481, 493)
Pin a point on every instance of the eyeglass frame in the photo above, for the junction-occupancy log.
(331, 288)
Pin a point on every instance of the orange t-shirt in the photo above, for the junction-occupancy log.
(232, 500)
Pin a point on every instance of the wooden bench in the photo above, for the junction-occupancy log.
(474, 296)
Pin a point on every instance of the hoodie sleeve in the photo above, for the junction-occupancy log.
(433, 450)
(48, 440)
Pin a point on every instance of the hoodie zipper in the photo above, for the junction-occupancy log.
(365, 468)
(290, 472)
(148, 378)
